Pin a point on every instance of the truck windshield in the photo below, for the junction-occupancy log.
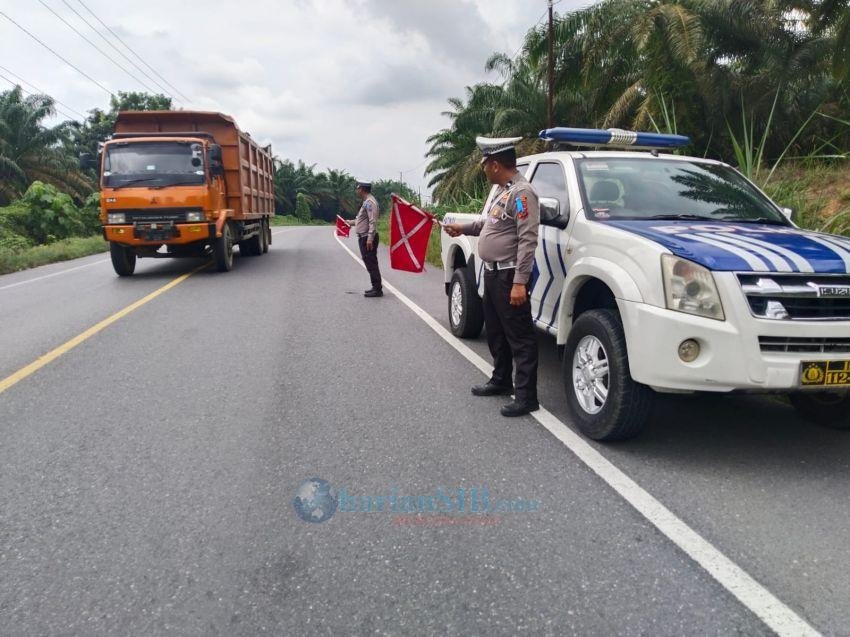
(654, 188)
(153, 164)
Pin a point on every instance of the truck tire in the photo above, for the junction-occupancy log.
(252, 247)
(604, 401)
(123, 259)
(223, 250)
(466, 314)
(267, 235)
(826, 409)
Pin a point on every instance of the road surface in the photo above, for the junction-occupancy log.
(148, 470)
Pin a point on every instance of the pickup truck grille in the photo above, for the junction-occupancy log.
(794, 344)
(156, 215)
(797, 297)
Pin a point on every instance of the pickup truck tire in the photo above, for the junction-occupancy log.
(596, 343)
(823, 408)
(123, 259)
(223, 250)
(466, 313)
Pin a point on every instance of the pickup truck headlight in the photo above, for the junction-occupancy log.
(194, 216)
(116, 217)
(690, 288)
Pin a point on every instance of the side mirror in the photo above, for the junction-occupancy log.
(215, 153)
(788, 213)
(87, 161)
(550, 213)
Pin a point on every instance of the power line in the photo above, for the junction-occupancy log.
(58, 110)
(119, 51)
(76, 68)
(93, 45)
(159, 75)
(13, 74)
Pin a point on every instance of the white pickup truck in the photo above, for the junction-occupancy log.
(671, 274)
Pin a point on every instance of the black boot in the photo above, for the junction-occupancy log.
(373, 293)
(491, 389)
(520, 408)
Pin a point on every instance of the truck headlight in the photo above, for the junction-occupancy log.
(116, 217)
(194, 216)
(690, 288)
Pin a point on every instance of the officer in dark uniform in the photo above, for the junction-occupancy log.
(507, 238)
(365, 225)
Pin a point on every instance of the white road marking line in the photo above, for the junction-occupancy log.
(47, 276)
(767, 607)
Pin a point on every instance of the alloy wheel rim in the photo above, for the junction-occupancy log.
(456, 303)
(591, 379)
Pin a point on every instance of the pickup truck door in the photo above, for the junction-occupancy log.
(549, 180)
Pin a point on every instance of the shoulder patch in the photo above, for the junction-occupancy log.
(522, 207)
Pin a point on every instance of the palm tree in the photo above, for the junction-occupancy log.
(31, 151)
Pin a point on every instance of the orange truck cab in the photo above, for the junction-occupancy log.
(184, 184)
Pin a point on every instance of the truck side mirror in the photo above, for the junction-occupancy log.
(550, 213)
(87, 161)
(214, 158)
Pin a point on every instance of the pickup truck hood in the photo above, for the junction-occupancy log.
(746, 247)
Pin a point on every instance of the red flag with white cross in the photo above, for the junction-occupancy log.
(342, 227)
(410, 229)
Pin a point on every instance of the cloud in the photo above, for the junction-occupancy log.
(351, 84)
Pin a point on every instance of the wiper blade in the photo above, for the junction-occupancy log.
(767, 220)
(685, 217)
(135, 181)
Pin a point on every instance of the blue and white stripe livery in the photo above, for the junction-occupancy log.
(745, 247)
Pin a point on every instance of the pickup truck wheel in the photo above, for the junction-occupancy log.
(123, 259)
(466, 315)
(604, 401)
(223, 250)
(828, 409)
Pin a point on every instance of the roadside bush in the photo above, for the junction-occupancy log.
(44, 215)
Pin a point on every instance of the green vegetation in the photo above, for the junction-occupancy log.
(62, 250)
(747, 80)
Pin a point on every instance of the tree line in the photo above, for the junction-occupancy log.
(34, 153)
(766, 76)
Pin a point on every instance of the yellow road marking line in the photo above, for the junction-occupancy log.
(66, 347)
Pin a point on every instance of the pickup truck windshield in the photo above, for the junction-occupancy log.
(654, 188)
(153, 164)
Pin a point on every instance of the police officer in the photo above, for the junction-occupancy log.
(365, 225)
(507, 232)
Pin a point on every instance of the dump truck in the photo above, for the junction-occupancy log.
(184, 184)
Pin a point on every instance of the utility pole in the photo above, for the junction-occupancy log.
(551, 73)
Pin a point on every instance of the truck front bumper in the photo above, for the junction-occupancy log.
(731, 357)
(183, 233)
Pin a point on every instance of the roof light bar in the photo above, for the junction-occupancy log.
(613, 137)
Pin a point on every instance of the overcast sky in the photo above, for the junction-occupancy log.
(349, 84)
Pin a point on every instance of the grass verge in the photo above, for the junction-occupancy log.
(72, 248)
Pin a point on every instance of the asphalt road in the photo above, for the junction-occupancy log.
(147, 474)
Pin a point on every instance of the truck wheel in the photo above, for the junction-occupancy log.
(827, 409)
(602, 397)
(223, 250)
(123, 259)
(266, 231)
(466, 315)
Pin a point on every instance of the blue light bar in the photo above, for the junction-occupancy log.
(613, 137)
